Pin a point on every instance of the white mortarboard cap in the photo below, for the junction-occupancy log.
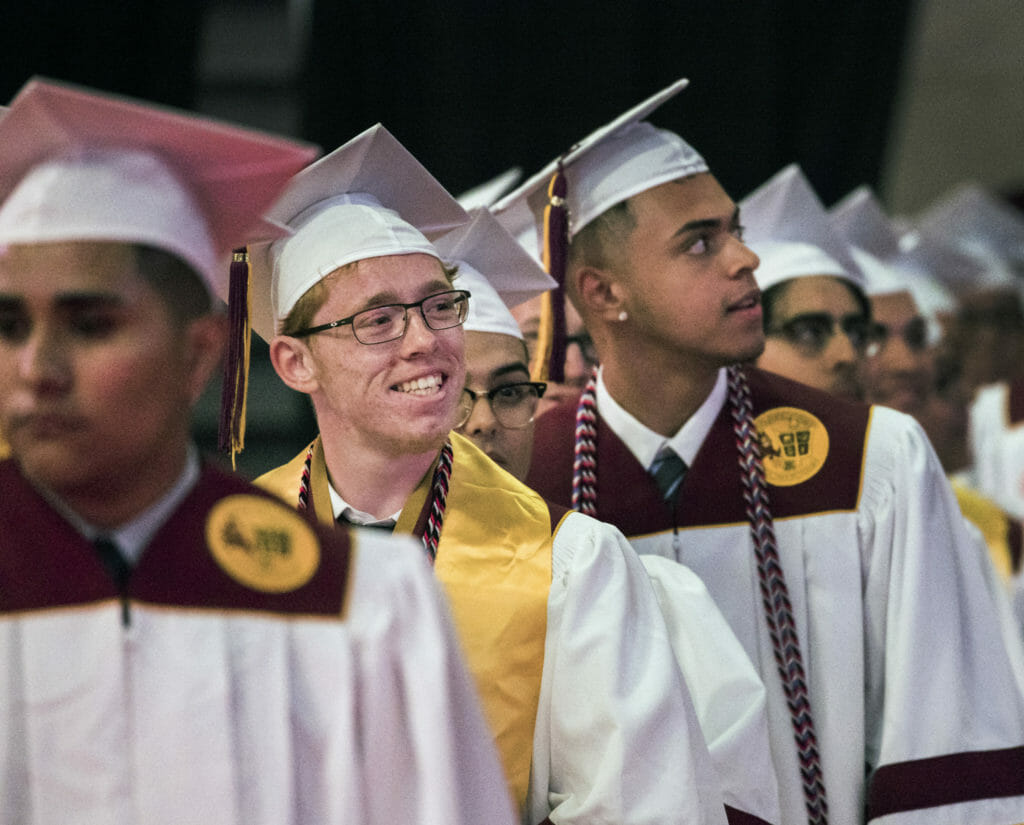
(957, 272)
(484, 195)
(485, 245)
(367, 199)
(880, 278)
(864, 223)
(619, 160)
(82, 165)
(978, 223)
(883, 253)
(785, 260)
(786, 224)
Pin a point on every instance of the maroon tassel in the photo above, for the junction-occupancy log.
(556, 250)
(231, 432)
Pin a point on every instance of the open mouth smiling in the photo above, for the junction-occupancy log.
(426, 385)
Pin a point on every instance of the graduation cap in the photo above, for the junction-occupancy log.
(496, 270)
(366, 199)
(484, 195)
(613, 163)
(83, 165)
(786, 224)
(882, 250)
(864, 223)
(79, 165)
(977, 222)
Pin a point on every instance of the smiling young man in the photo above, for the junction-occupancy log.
(559, 623)
(824, 531)
(177, 646)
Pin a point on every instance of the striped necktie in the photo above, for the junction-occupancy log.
(668, 470)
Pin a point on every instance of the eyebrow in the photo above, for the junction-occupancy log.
(707, 223)
(70, 300)
(506, 369)
(391, 297)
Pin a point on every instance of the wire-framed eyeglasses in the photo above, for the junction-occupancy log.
(388, 322)
(513, 405)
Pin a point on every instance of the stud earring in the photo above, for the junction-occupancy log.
(623, 316)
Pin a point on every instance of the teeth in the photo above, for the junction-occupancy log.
(420, 386)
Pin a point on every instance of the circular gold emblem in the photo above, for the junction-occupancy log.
(262, 544)
(794, 445)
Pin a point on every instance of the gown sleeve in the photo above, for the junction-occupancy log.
(617, 738)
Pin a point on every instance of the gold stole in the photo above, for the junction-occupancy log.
(494, 562)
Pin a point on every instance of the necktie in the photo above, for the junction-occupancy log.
(668, 470)
(388, 524)
(112, 559)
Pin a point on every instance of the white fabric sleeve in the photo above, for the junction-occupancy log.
(428, 755)
(728, 694)
(617, 739)
(942, 676)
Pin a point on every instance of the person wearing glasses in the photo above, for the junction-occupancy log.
(815, 314)
(178, 646)
(560, 626)
(499, 401)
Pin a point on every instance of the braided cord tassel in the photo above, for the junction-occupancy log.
(584, 462)
(307, 467)
(775, 596)
(439, 499)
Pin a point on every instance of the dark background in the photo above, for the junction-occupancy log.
(473, 88)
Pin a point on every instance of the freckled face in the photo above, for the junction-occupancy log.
(399, 397)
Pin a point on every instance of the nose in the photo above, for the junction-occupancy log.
(743, 259)
(43, 363)
(481, 419)
(418, 336)
(841, 350)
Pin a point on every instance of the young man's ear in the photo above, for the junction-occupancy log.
(294, 363)
(599, 294)
(206, 338)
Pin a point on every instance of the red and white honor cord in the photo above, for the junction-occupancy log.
(778, 610)
(438, 499)
(775, 596)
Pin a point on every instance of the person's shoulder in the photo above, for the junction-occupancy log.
(768, 389)
(283, 480)
(284, 560)
(498, 491)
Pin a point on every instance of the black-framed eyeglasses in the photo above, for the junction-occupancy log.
(388, 322)
(914, 334)
(811, 332)
(513, 405)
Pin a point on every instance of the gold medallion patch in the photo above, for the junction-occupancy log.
(261, 544)
(794, 445)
